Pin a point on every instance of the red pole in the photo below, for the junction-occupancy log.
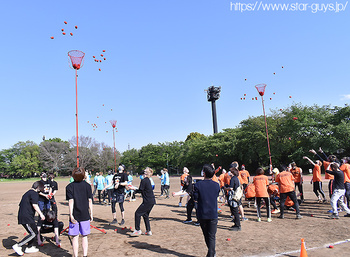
(115, 160)
(76, 113)
(267, 133)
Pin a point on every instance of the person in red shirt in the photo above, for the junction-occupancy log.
(285, 181)
(317, 179)
(261, 182)
(298, 179)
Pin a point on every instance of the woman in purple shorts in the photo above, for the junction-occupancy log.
(79, 196)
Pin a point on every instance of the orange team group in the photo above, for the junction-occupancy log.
(277, 194)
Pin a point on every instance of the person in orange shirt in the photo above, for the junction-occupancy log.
(215, 178)
(298, 179)
(261, 182)
(182, 179)
(285, 181)
(317, 179)
(274, 195)
(345, 167)
(244, 177)
(330, 159)
(222, 184)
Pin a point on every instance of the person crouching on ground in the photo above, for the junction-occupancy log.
(147, 204)
(49, 225)
(27, 208)
(79, 196)
(205, 194)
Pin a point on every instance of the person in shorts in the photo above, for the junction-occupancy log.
(27, 208)
(119, 181)
(79, 196)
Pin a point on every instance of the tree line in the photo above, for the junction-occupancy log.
(292, 132)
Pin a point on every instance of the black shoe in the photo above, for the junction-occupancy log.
(235, 228)
(122, 222)
(281, 217)
(347, 215)
(114, 221)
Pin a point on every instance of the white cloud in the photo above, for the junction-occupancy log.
(345, 97)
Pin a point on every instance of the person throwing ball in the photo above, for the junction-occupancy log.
(146, 206)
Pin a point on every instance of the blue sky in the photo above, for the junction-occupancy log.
(160, 57)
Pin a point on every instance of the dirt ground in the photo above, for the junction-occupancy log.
(173, 238)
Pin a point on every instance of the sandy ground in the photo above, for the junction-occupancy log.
(173, 238)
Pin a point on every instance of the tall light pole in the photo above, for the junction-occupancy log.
(213, 94)
(261, 90)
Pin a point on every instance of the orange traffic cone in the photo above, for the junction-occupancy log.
(303, 252)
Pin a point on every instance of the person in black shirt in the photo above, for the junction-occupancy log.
(234, 184)
(49, 225)
(119, 181)
(27, 208)
(188, 188)
(338, 190)
(44, 197)
(54, 190)
(147, 204)
(79, 196)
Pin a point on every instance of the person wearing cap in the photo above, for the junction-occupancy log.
(148, 201)
(285, 182)
(44, 196)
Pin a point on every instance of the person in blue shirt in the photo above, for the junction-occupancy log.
(166, 182)
(95, 185)
(108, 181)
(100, 181)
(205, 194)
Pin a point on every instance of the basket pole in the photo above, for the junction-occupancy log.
(76, 113)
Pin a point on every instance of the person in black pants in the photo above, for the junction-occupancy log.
(188, 188)
(234, 184)
(147, 204)
(49, 225)
(205, 194)
(27, 208)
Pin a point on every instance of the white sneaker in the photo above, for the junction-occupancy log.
(18, 249)
(32, 249)
(136, 233)
(147, 233)
(180, 204)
